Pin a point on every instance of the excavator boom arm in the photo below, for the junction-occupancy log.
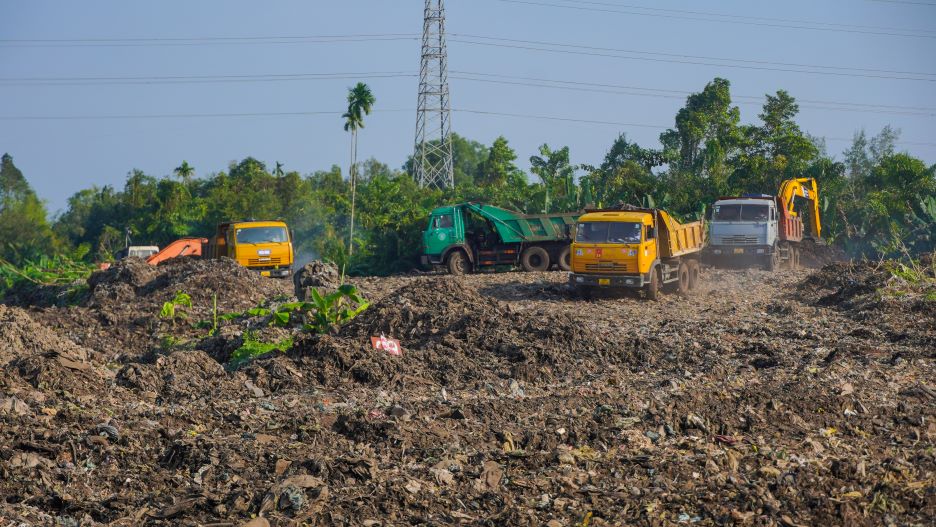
(806, 189)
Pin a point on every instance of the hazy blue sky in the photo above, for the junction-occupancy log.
(859, 52)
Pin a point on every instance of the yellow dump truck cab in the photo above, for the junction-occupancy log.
(635, 248)
(263, 246)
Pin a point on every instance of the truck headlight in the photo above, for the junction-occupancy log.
(760, 251)
(579, 279)
(629, 281)
(717, 251)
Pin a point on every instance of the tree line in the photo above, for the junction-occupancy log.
(874, 200)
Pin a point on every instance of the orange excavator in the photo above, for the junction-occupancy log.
(263, 246)
(180, 247)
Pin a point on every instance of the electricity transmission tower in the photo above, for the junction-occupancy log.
(432, 156)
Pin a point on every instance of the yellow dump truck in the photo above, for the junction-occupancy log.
(264, 246)
(636, 248)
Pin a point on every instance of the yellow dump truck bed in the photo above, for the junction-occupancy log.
(677, 239)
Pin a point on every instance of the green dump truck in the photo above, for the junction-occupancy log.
(471, 236)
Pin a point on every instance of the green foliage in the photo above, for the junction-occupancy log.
(24, 231)
(66, 276)
(875, 200)
(335, 308)
(252, 348)
(171, 309)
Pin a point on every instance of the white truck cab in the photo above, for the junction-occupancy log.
(744, 228)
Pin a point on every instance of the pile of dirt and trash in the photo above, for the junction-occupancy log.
(453, 335)
(762, 399)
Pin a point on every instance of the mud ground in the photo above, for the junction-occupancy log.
(792, 398)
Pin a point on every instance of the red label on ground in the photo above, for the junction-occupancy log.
(391, 346)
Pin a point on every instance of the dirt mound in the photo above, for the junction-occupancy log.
(130, 282)
(180, 374)
(43, 358)
(319, 274)
(20, 336)
(452, 335)
(899, 298)
(817, 254)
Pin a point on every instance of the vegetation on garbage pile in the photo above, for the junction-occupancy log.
(321, 315)
(874, 197)
(68, 277)
(912, 276)
(171, 310)
(253, 347)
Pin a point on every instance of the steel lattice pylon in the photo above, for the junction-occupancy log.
(432, 156)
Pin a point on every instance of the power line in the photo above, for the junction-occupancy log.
(616, 53)
(927, 4)
(638, 125)
(687, 92)
(747, 17)
(195, 79)
(651, 93)
(749, 22)
(616, 89)
(200, 41)
(311, 113)
(175, 115)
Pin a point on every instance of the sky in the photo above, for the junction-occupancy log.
(91, 90)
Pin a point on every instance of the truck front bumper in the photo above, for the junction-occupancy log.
(727, 251)
(282, 272)
(594, 280)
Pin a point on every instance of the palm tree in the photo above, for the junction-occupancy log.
(184, 171)
(360, 102)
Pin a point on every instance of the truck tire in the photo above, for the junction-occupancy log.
(457, 263)
(652, 289)
(683, 274)
(565, 258)
(773, 260)
(695, 272)
(534, 259)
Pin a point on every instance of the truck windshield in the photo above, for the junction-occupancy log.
(738, 212)
(262, 235)
(754, 213)
(728, 212)
(442, 222)
(608, 232)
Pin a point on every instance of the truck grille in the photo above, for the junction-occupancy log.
(264, 261)
(739, 239)
(608, 267)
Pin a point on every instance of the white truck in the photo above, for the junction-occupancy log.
(762, 229)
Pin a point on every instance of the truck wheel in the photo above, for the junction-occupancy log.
(534, 259)
(695, 271)
(458, 263)
(565, 258)
(773, 260)
(683, 274)
(652, 290)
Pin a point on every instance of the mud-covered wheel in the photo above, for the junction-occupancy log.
(565, 258)
(652, 290)
(683, 275)
(773, 260)
(695, 274)
(458, 263)
(534, 259)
